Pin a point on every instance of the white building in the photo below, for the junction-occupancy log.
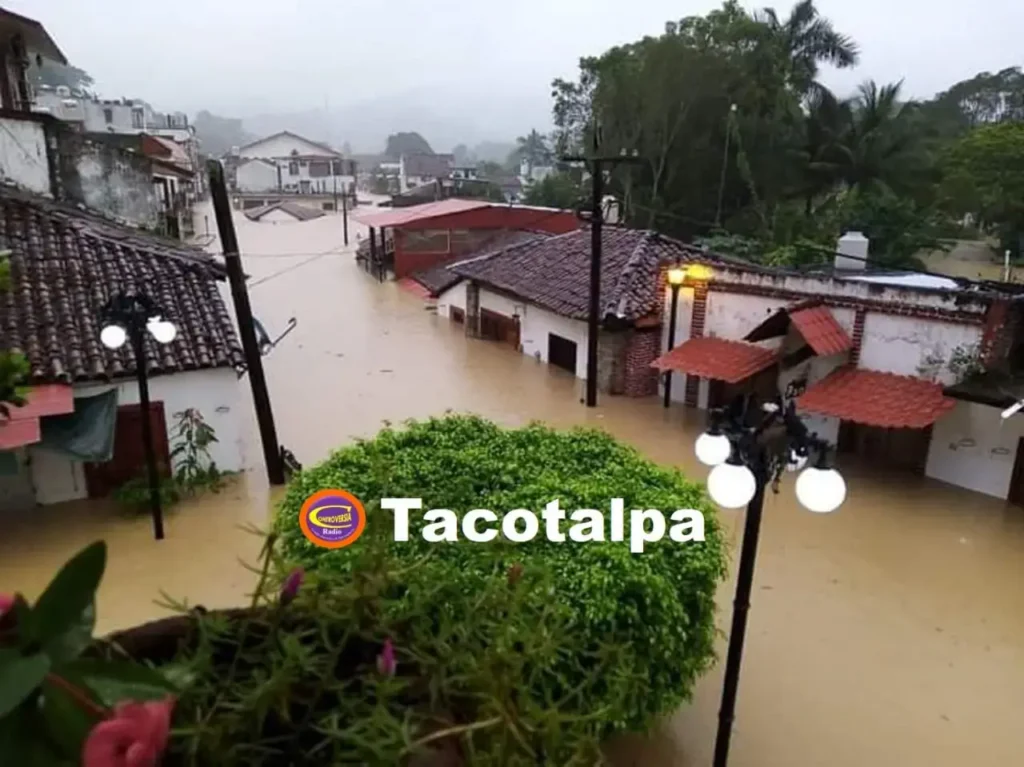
(257, 175)
(74, 439)
(886, 366)
(303, 166)
(420, 169)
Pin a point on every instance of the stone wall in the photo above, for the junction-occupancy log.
(611, 359)
(107, 178)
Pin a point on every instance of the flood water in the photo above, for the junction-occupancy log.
(889, 633)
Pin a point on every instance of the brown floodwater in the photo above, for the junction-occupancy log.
(889, 633)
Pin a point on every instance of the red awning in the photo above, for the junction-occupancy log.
(877, 399)
(22, 427)
(414, 213)
(717, 359)
(820, 330)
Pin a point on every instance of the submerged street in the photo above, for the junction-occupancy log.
(888, 633)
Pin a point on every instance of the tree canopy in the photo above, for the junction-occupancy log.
(406, 143)
(742, 143)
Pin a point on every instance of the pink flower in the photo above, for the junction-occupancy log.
(6, 603)
(290, 588)
(135, 736)
(386, 664)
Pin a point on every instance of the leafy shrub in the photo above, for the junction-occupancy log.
(633, 631)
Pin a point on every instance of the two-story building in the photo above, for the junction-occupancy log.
(299, 166)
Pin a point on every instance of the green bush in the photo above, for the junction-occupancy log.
(641, 625)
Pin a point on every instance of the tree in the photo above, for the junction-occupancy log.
(219, 135)
(406, 143)
(51, 73)
(533, 149)
(556, 190)
(986, 168)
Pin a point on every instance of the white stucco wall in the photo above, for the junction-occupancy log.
(535, 323)
(256, 176)
(684, 317)
(215, 393)
(282, 146)
(914, 347)
(23, 155)
(974, 448)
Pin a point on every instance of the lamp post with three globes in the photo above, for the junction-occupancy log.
(747, 458)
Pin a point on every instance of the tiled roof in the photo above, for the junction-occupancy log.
(555, 272)
(717, 358)
(65, 264)
(820, 330)
(877, 399)
(417, 213)
(299, 212)
(439, 277)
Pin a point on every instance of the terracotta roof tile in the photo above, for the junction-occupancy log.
(555, 272)
(439, 277)
(296, 211)
(717, 359)
(820, 330)
(877, 399)
(65, 264)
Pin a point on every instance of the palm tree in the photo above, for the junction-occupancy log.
(534, 149)
(805, 40)
(827, 124)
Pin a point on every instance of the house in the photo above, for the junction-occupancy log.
(532, 174)
(419, 169)
(432, 233)
(257, 175)
(303, 166)
(21, 40)
(65, 264)
(534, 296)
(283, 212)
(464, 172)
(909, 371)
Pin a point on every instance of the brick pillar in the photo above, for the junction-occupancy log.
(641, 380)
(858, 335)
(994, 338)
(472, 309)
(700, 305)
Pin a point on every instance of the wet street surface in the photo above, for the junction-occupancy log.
(889, 633)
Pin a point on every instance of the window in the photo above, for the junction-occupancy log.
(293, 168)
(108, 115)
(427, 241)
(458, 315)
(137, 118)
(319, 168)
(337, 168)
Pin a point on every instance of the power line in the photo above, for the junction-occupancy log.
(291, 268)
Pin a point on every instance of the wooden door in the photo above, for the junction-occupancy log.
(562, 353)
(498, 327)
(1016, 493)
(129, 459)
(900, 449)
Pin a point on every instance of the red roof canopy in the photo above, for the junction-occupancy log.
(877, 399)
(717, 359)
(820, 330)
(22, 427)
(400, 216)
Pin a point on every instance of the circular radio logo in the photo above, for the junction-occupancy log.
(332, 519)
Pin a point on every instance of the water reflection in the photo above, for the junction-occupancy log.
(890, 633)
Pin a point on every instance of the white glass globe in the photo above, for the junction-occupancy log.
(731, 486)
(113, 336)
(162, 330)
(821, 490)
(712, 449)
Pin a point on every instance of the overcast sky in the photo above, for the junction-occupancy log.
(464, 57)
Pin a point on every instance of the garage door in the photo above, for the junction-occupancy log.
(562, 353)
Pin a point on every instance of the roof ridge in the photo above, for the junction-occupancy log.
(615, 304)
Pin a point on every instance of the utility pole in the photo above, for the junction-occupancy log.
(597, 164)
(243, 312)
(725, 165)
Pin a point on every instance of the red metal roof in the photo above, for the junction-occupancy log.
(400, 216)
(717, 359)
(877, 399)
(22, 427)
(820, 330)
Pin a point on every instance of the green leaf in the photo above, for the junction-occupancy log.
(21, 745)
(68, 725)
(63, 606)
(72, 642)
(115, 681)
(19, 677)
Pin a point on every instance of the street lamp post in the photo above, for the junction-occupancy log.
(746, 460)
(676, 277)
(129, 317)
